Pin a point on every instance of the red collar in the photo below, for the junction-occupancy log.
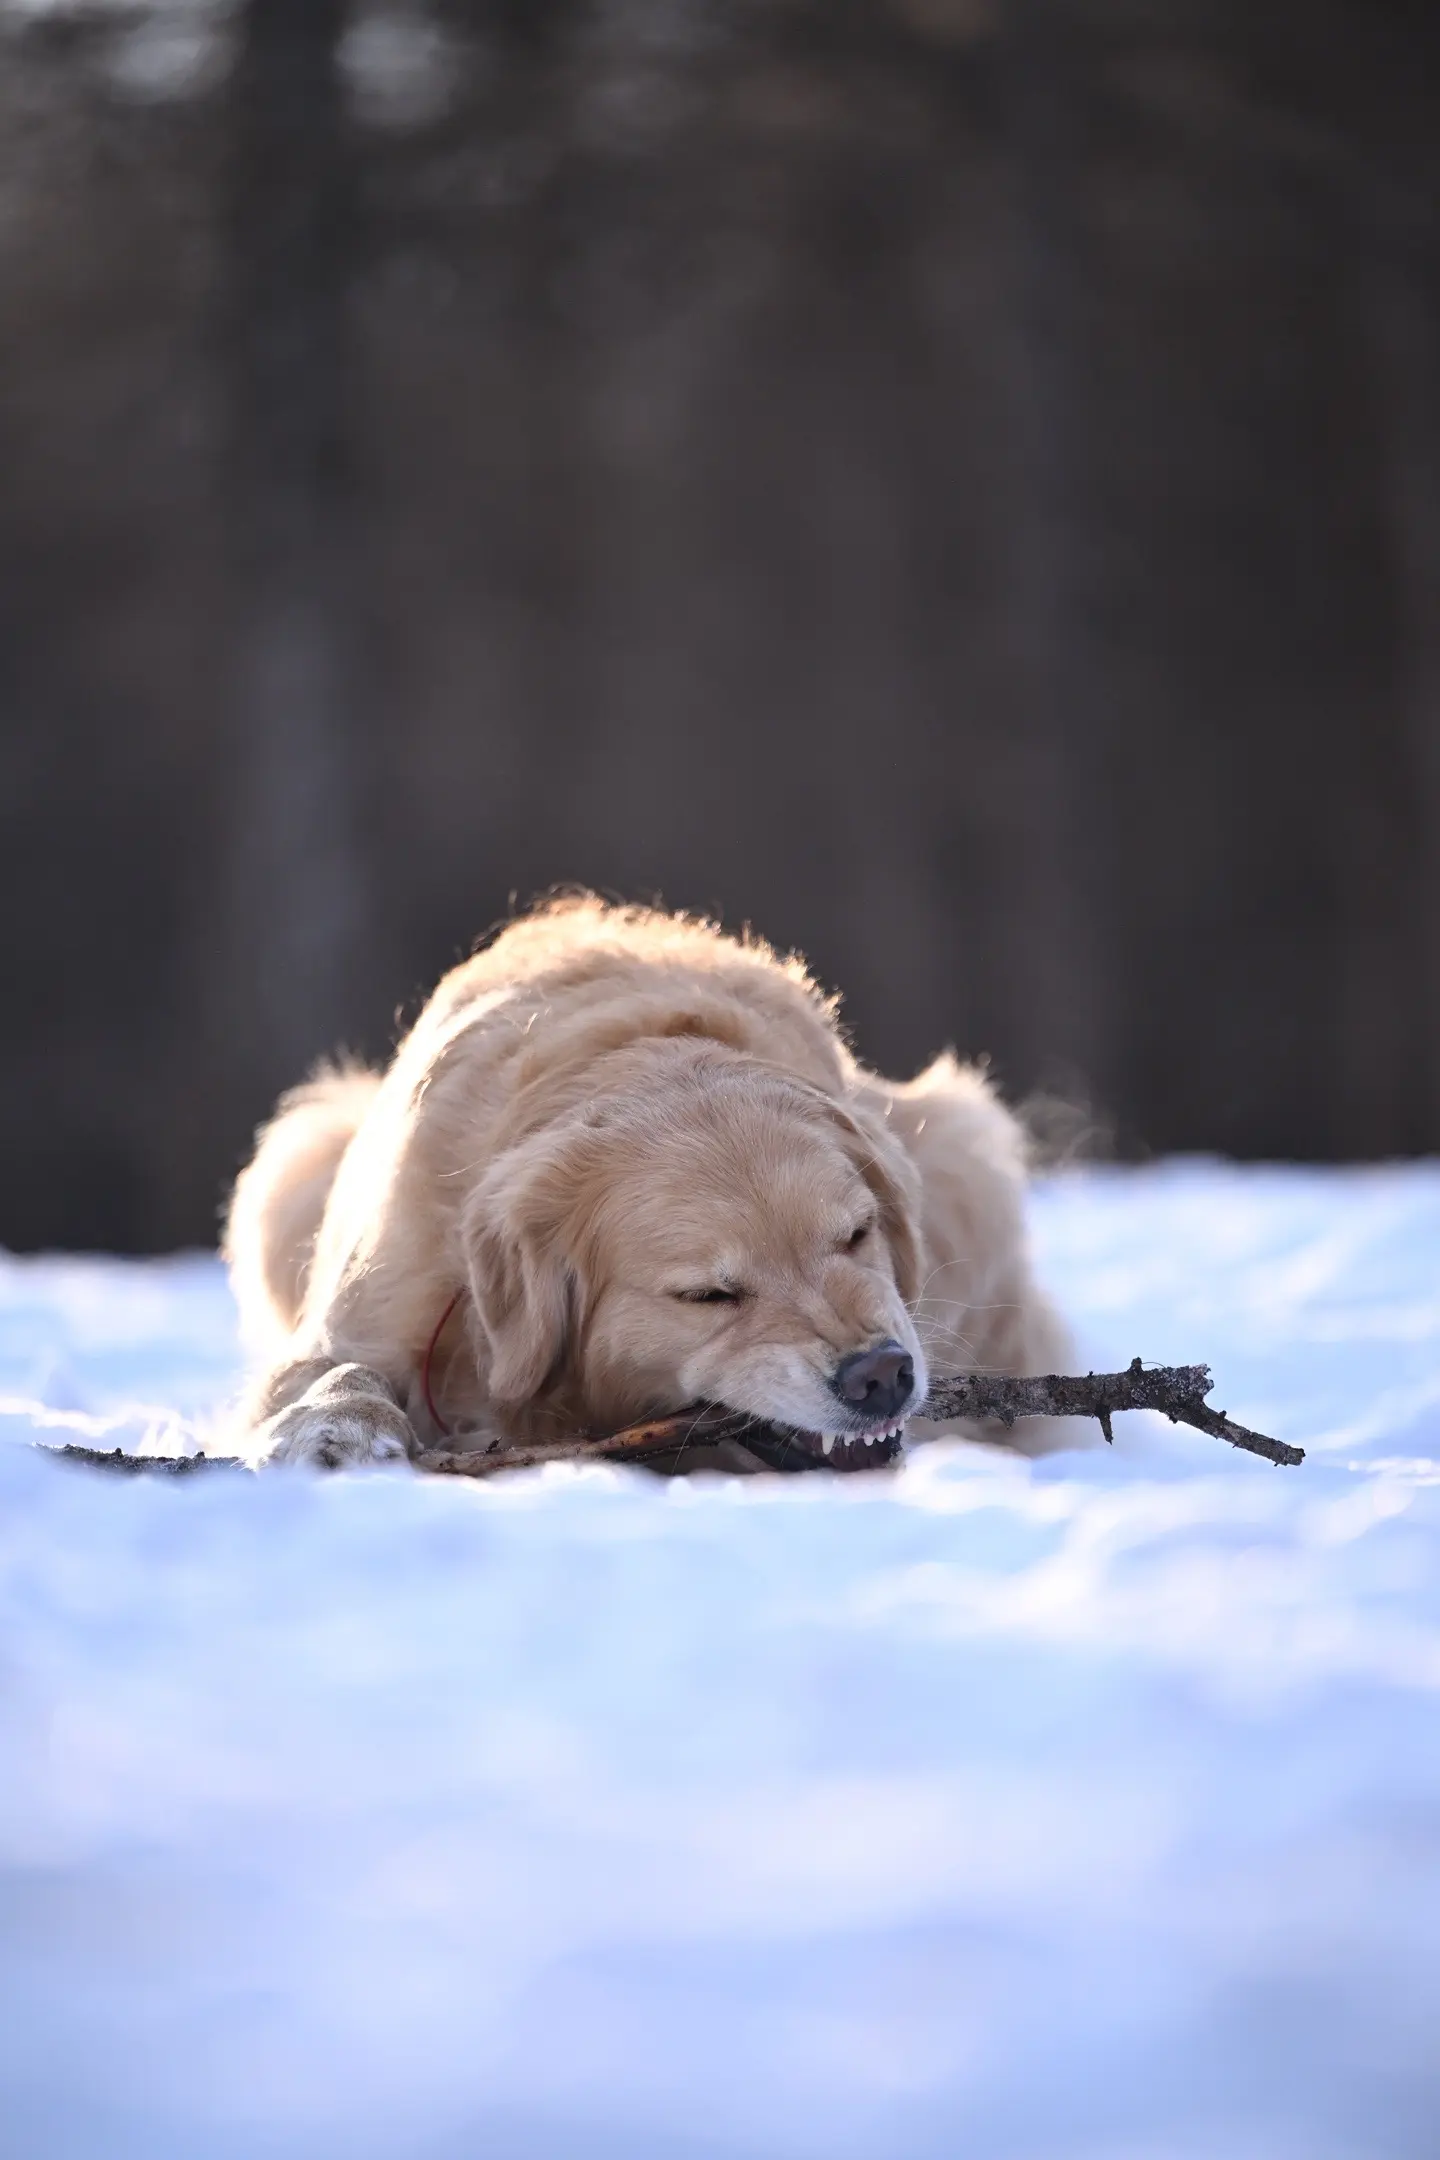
(430, 1349)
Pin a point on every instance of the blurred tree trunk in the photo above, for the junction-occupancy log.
(1051, 939)
(1403, 293)
(296, 892)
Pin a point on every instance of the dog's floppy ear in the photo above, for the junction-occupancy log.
(885, 1165)
(516, 1231)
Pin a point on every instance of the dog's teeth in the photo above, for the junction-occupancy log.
(827, 1441)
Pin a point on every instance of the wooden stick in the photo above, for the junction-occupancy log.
(127, 1465)
(1178, 1391)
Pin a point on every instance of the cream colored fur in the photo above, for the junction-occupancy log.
(605, 1114)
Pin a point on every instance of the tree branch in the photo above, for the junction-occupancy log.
(731, 1441)
(1177, 1390)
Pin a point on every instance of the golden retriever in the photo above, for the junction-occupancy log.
(624, 1164)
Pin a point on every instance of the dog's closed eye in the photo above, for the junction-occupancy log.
(711, 1294)
(858, 1236)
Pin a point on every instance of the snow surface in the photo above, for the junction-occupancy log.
(1088, 1808)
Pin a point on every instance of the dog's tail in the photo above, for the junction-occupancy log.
(279, 1198)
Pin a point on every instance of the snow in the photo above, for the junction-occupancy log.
(1083, 1810)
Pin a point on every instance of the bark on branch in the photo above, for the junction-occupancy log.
(730, 1441)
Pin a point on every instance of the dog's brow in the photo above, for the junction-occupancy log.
(707, 1272)
(843, 1221)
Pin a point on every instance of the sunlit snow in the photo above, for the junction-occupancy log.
(1085, 1810)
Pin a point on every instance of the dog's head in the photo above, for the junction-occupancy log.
(708, 1230)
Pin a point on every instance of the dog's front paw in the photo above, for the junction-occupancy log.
(349, 1419)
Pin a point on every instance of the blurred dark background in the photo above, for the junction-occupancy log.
(955, 483)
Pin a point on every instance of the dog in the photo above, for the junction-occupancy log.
(622, 1165)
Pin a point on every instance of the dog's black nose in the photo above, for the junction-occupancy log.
(877, 1383)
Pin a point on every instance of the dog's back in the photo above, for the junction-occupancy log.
(576, 958)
